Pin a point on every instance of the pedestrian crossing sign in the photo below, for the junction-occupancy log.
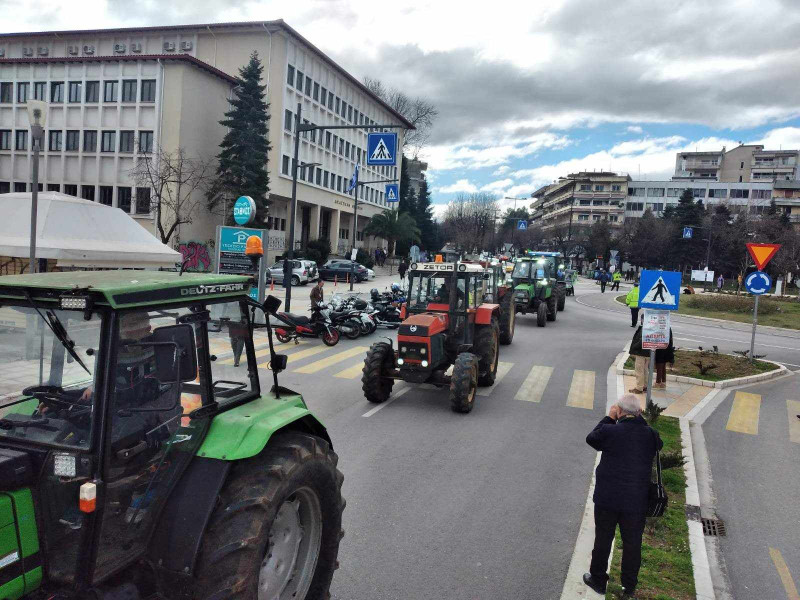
(660, 290)
(381, 148)
(392, 192)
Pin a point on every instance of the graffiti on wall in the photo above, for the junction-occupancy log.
(196, 256)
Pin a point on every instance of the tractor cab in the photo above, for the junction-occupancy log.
(533, 280)
(125, 399)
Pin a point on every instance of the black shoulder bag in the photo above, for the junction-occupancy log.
(657, 498)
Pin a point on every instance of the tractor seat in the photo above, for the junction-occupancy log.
(299, 319)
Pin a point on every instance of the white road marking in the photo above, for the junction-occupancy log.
(394, 397)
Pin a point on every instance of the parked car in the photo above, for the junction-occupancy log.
(313, 275)
(300, 272)
(341, 269)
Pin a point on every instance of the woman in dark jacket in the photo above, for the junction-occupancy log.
(667, 355)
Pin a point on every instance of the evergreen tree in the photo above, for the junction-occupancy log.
(242, 169)
(406, 201)
(423, 215)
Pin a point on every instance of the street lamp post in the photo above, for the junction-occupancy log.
(514, 227)
(37, 116)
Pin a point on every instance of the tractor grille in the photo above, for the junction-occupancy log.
(417, 352)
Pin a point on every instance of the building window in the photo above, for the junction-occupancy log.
(616, 188)
(330, 100)
(6, 93)
(655, 192)
(316, 91)
(40, 90)
(287, 120)
(698, 192)
(338, 104)
(658, 207)
(585, 203)
(70, 189)
(350, 113)
(328, 140)
(585, 187)
(299, 81)
(613, 218)
(87, 192)
(90, 141)
(673, 192)
(109, 91)
(5, 139)
(285, 165)
(323, 96)
(92, 91)
(22, 139)
(319, 177)
(74, 93)
(344, 233)
(126, 141)
(108, 140)
(20, 187)
(5, 187)
(741, 165)
(636, 191)
(73, 141)
(145, 142)
(106, 194)
(599, 188)
(737, 193)
(344, 109)
(129, 90)
(347, 149)
(341, 146)
(55, 140)
(290, 75)
(740, 179)
(124, 198)
(324, 179)
(142, 201)
(23, 89)
(338, 183)
(717, 193)
(148, 90)
(56, 91)
(53, 187)
(308, 86)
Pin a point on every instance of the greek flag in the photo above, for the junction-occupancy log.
(353, 180)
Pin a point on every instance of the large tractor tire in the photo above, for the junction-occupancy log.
(508, 318)
(487, 348)
(276, 529)
(562, 298)
(464, 382)
(376, 386)
(541, 314)
(552, 307)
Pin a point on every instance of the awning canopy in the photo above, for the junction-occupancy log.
(79, 233)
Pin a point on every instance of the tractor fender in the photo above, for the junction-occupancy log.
(485, 313)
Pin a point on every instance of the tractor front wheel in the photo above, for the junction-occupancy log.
(541, 314)
(464, 382)
(376, 386)
(508, 318)
(562, 298)
(275, 532)
(552, 307)
(487, 348)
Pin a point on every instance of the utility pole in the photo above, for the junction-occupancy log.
(287, 268)
(355, 227)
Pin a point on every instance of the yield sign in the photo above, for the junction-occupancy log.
(762, 253)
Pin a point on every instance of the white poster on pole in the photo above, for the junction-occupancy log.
(702, 275)
(655, 331)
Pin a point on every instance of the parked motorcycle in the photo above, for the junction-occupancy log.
(292, 327)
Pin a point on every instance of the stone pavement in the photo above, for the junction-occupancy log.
(678, 398)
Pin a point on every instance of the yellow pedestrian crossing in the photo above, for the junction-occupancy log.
(279, 349)
(793, 408)
(533, 387)
(784, 574)
(502, 370)
(581, 390)
(744, 413)
(351, 372)
(305, 353)
(330, 360)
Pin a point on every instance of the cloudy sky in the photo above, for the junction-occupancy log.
(531, 90)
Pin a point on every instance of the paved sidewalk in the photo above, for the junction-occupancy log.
(677, 398)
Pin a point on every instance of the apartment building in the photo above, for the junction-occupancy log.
(657, 195)
(744, 163)
(787, 198)
(416, 170)
(115, 94)
(581, 199)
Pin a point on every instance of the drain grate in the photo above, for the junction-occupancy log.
(713, 527)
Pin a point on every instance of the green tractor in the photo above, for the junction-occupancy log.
(140, 457)
(559, 272)
(534, 289)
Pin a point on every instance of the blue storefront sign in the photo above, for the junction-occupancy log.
(231, 259)
(244, 210)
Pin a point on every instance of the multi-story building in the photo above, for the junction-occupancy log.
(657, 195)
(787, 199)
(116, 94)
(746, 162)
(416, 170)
(581, 199)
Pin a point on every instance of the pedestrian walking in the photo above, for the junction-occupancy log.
(632, 300)
(642, 357)
(664, 356)
(378, 256)
(628, 446)
(615, 279)
(401, 269)
(738, 284)
(603, 281)
(317, 297)
(720, 282)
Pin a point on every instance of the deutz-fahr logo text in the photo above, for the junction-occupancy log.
(217, 288)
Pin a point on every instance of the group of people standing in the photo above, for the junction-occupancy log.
(380, 256)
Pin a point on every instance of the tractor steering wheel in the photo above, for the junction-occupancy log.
(52, 396)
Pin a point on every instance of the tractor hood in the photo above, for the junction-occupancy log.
(424, 325)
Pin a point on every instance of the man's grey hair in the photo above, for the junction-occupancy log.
(628, 403)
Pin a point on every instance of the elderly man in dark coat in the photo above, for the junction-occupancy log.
(622, 483)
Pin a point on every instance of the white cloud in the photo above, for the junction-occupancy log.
(462, 185)
(634, 129)
(783, 137)
(481, 154)
(501, 170)
(497, 187)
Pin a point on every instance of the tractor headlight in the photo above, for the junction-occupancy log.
(400, 361)
(403, 349)
(544, 282)
(423, 351)
(74, 302)
(424, 364)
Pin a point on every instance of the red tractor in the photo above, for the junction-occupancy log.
(447, 324)
(502, 292)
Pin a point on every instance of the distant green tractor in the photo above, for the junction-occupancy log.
(534, 289)
(558, 269)
(139, 456)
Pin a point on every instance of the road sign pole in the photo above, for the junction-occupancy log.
(755, 323)
(287, 264)
(650, 377)
(355, 226)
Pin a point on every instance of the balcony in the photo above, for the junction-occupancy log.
(701, 164)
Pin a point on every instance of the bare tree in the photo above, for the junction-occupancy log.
(420, 112)
(177, 184)
(468, 221)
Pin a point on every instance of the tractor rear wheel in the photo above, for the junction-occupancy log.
(487, 348)
(508, 318)
(552, 307)
(464, 382)
(562, 298)
(541, 314)
(275, 532)
(376, 386)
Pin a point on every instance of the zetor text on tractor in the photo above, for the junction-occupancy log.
(140, 457)
(448, 325)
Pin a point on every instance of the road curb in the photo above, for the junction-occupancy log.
(725, 383)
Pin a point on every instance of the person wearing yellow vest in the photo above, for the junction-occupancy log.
(632, 300)
(615, 280)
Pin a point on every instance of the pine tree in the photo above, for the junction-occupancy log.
(406, 201)
(242, 169)
(423, 215)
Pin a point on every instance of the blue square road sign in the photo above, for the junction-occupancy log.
(687, 233)
(660, 290)
(392, 193)
(381, 148)
(522, 224)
